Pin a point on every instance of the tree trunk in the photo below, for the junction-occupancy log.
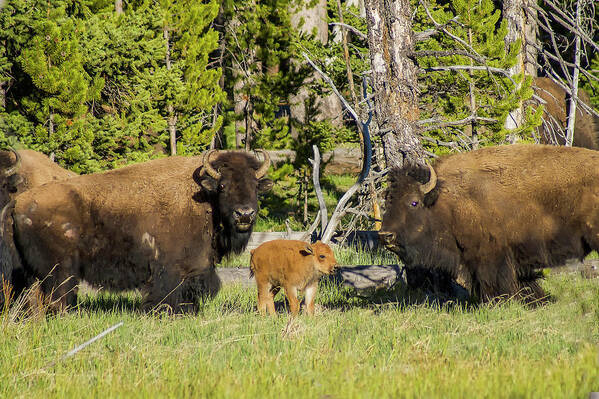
(314, 19)
(172, 117)
(520, 25)
(2, 96)
(575, 78)
(394, 80)
(118, 6)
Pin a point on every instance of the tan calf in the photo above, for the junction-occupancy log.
(291, 264)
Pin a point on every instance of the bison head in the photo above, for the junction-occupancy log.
(10, 162)
(233, 181)
(411, 193)
(324, 258)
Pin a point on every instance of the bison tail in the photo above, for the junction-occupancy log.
(10, 260)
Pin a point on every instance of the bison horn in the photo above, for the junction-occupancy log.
(209, 169)
(265, 165)
(11, 170)
(432, 181)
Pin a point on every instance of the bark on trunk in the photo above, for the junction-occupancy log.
(575, 78)
(394, 79)
(118, 6)
(520, 25)
(172, 117)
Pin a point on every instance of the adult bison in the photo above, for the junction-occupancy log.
(555, 118)
(159, 225)
(493, 217)
(24, 169)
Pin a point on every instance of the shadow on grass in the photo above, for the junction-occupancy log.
(334, 294)
(108, 302)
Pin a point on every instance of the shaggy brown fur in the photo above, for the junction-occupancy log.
(497, 215)
(293, 265)
(555, 118)
(34, 170)
(159, 225)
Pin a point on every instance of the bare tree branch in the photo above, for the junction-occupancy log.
(439, 123)
(316, 180)
(424, 35)
(350, 28)
(448, 53)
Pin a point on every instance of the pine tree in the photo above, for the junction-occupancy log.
(62, 91)
(479, 96)
(190, 88)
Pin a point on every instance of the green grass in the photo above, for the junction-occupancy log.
(354, 347)
(345, 256)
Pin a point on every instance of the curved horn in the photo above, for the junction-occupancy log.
(11, 170)
(264, 167)
(209, 169)
(432, 182)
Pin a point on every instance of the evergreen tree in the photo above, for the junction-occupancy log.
(191, 90)
(481, 97)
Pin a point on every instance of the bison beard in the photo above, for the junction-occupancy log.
(160, 226)
(492, 218)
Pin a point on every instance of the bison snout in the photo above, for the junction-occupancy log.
(244, 216)
(386, 237)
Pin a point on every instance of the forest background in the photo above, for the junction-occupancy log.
(97, 84)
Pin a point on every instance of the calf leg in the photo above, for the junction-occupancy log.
(265, 296)
(310, 295)
(291, 293)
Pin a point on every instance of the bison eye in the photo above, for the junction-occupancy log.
(321, 256)
(221, 187)
(414, 203)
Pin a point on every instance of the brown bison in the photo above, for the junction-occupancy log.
(555, 118)
(24, 169)
(493, 217)
(159, 225)
(291, 264)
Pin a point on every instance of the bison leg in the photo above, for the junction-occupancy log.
(310, 295)
(291, 293)
(165, 288)
(266, 294)
(59, 287)
(530, 290)
(197, 288)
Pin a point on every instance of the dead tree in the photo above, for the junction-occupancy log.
(569, 33)
(395, 80)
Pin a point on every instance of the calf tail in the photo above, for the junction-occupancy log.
(10, 260)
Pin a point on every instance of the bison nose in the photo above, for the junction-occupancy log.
(386, 237)
(244, 213)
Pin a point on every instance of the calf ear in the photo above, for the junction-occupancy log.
(208, 183)
(264, 185)
(307, 250)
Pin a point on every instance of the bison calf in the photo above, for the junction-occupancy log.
(293, 265)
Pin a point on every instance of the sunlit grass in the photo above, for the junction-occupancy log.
(345, 256)
(353, 347)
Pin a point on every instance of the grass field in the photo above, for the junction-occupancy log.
(354, 347)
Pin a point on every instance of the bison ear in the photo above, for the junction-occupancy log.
(307, 250)
(13, 183)
(431, 197)
(264, 185)
(208, 183)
